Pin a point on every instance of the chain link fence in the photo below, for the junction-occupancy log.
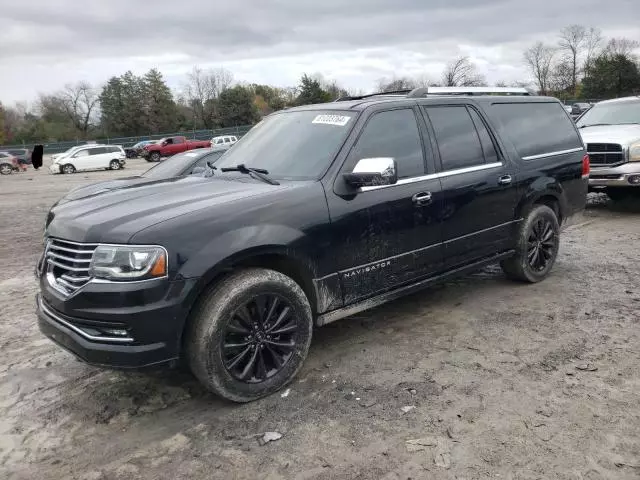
(57, 147)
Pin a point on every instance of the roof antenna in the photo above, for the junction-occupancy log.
(418, 92)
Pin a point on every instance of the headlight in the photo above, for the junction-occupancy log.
(121, 263)
(634, 152)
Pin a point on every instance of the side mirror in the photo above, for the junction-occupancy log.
(373, 172)
(164, 144)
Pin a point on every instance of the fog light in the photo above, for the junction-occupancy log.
(114, 332)
(634, 179)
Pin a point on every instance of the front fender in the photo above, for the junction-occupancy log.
(232, 245)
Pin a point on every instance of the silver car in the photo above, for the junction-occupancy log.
(611, 132)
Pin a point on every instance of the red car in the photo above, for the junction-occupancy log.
(9, 164)
(170, 146)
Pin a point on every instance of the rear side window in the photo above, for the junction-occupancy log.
(536, 128)
(392, 134)
(97, 151)
(456, 136)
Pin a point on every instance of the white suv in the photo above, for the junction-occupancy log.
(90, 157)
(225, 140)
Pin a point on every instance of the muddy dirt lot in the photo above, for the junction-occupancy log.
(478, 378)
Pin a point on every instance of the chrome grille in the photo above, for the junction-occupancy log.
(605, 153)
(68, 264)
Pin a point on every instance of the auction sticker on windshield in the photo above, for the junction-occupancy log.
(339, 120)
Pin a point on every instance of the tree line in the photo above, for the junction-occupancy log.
(580, 64)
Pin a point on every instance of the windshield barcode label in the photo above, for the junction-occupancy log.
(338, 120)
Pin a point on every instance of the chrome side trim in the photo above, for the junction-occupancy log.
(79, 331)
(433, 176)
(553, 154)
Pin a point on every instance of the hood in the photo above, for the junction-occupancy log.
(115, 216)
(101, 187)
(622, 134)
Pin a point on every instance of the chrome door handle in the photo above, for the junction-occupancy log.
(505, 180)
(422, 198)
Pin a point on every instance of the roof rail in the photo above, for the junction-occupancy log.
(424, 91)
(360, 97)
(420, 92)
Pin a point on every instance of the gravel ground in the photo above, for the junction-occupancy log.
(477, 378)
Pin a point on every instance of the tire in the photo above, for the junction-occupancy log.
(5, 169)
(537, 246)
(618, 194)
(155, 156)
(68, 169)
(114, 165)
(216, 320)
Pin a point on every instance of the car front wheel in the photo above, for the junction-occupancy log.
(68, 168)
(537, 246)
(250, 334)
(5, 169)
(155, 157)
(114, 165)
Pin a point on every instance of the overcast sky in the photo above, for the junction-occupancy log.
(45, 44)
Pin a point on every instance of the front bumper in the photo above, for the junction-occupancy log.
(625, 175)
(114, 325)
(54, 168)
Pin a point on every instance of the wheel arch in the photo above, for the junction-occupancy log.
(550, 194)
(274, 257)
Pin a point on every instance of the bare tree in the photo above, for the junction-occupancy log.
(461, 72)
(622, 46)
(202, 89)
(593, 43)
(538, 59)
(80, 103)
(395, 84)
(572, 41)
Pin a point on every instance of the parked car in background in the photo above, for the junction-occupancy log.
(8, 164)
(170, 146)
(611, 131)
(227, 140)
(195, 162)
(90, 157)
(137, 150)
(22, 154)
(579, 108)
(230, 271)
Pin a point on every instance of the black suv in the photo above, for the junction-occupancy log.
(319, 212)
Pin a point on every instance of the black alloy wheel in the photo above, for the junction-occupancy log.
(542, 244)
(259, 339)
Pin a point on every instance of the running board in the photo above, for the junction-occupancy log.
(378, 300)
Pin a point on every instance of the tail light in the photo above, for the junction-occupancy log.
(586, 166)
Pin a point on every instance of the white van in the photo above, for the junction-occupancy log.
(224, 140)
(90, 157)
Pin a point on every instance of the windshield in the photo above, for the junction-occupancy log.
(296, 145)
(614, 113)
(179, 164)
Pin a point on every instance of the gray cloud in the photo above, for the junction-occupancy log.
(77, 32)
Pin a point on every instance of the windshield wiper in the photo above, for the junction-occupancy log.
(254, 172)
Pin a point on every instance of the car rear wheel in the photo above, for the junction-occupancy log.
(114, 165)
(68, 168)
(537, 246)
(250, 334)
(5, 169)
